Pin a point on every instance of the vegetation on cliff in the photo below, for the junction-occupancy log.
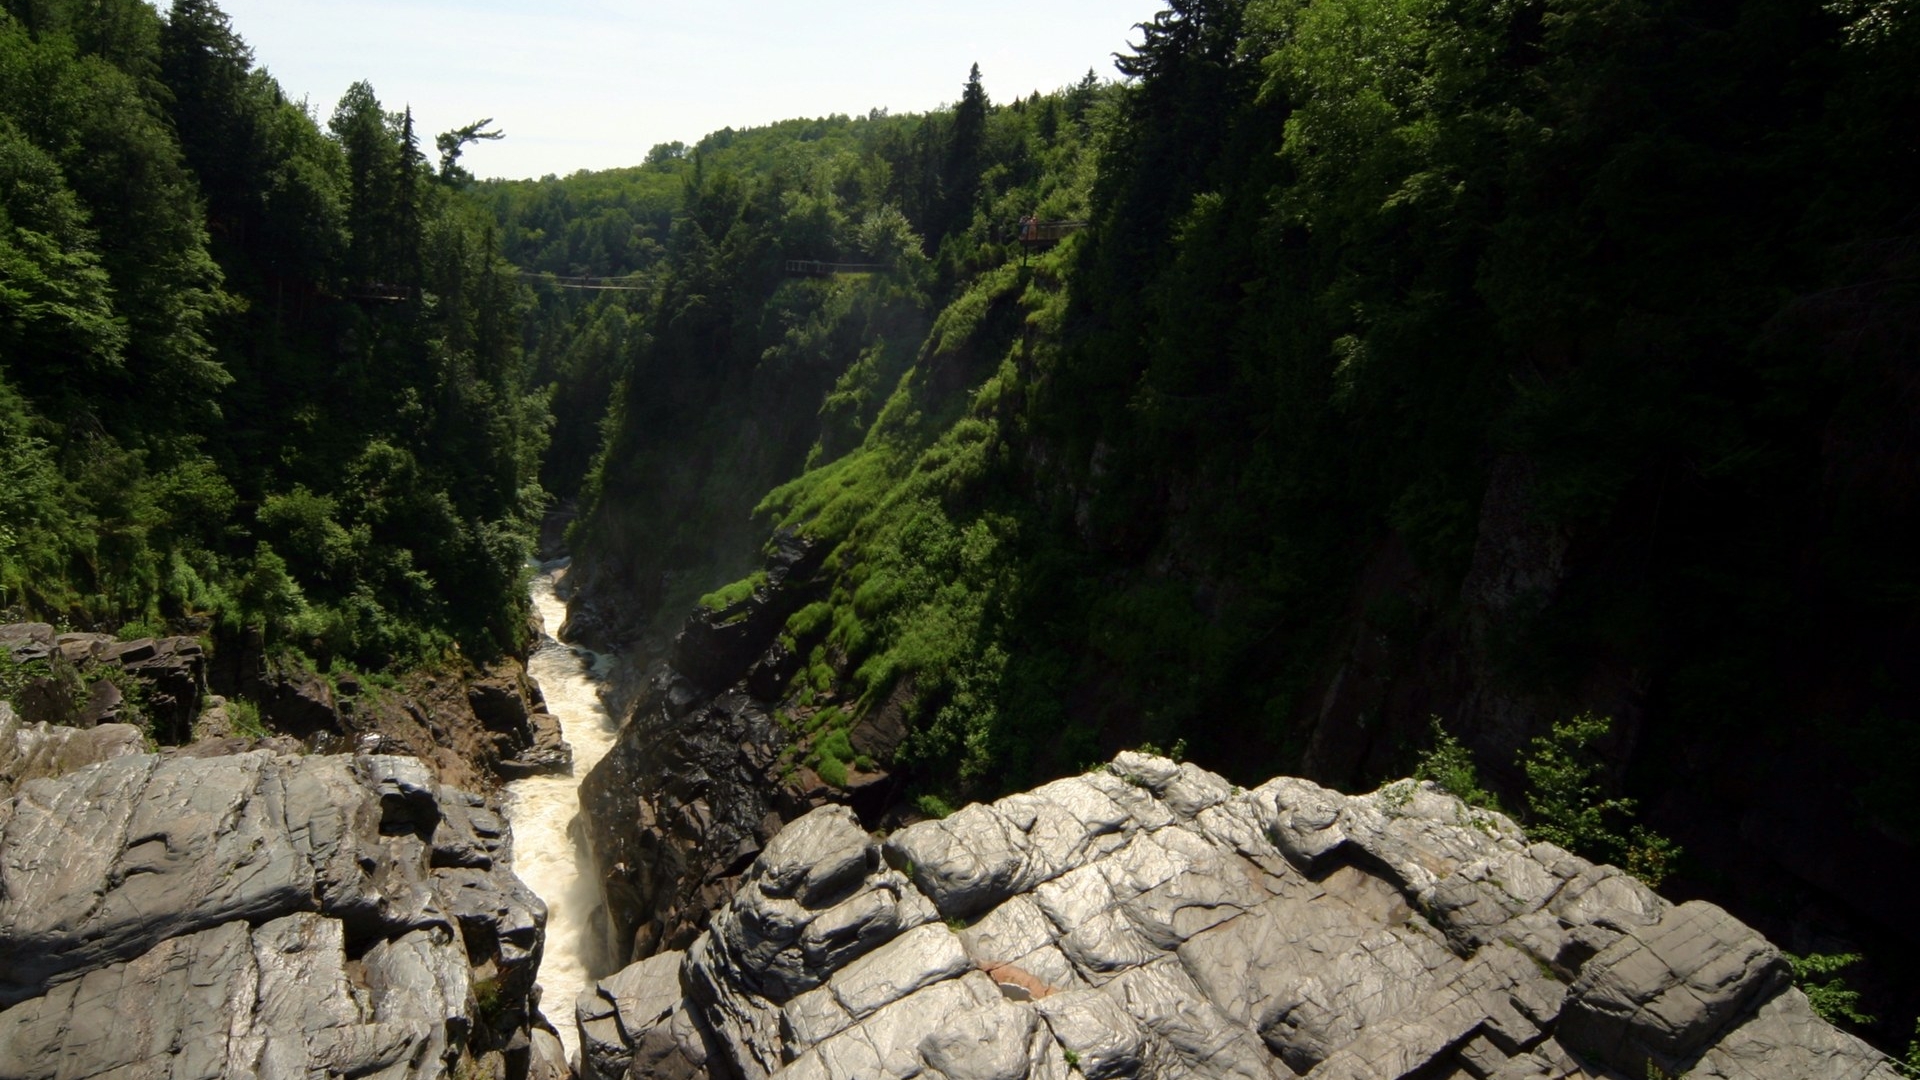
(1508, 363)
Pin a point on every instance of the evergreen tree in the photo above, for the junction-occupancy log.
(965, 146)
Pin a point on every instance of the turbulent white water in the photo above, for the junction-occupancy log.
(540, 808)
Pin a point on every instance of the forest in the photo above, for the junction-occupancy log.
(1416, 371)
(259, 372)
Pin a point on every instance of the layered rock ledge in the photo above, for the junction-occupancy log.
(1150, 920)
(261, 915)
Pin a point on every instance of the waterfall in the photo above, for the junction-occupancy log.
(541, 807)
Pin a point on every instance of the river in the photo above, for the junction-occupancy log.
(541, 807)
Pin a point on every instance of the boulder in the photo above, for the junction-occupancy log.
(37, 751)
(258, 914)
(1149, 920)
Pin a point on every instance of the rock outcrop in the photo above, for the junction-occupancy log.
(1150, 920)
(261, 915)
(77, 680)
(36, 751)
(695, 784)
(475, 725)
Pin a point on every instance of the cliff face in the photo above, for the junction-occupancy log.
(260, 914)
(1152, 920)
(696, 782)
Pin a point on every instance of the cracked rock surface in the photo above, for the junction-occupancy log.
(1151, 921)
(260, 915)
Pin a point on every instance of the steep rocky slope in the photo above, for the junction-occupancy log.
(1151, 920)
(259, 914)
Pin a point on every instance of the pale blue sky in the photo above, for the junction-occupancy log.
(592, 84)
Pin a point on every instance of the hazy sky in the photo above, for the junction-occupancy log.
(592, 84)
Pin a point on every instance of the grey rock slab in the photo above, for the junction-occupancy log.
(1208, 886)
(815, 858)
(1307, 972)
(1238, 825)
(548, 1060)
(886, 1046)
(643, 994)
(887, 907)
(1608, 898)
(1194, 790)
(1207, 1044)
(812, 1018)
(1074, 898)
(1663, 993)
(1041, 973)
(639, 1015)
(777, 947)
(1160, 923)
(965, 863)
(1105, 943)
(193, 993)
(127, 891)
(1066, 823)
(1103, 1038)
(1417, 1038)
(1132, 795)
(38, 751)
(61, 843)
(302, 982)
(678, 1048)
(986, 1042)
(1422, 835)
(1007, 933)
(746, 1025)
(1785, 1040)
(423, 976)
(1474, 904)
(1302, 818)
(917, 958)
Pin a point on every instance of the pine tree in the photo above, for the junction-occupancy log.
(964, 149)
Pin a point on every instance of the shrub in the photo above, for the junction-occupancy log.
(1450, 766)
(1567, 806)
(244, 716)
(1831, 997)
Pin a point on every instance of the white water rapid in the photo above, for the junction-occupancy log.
(541, 806)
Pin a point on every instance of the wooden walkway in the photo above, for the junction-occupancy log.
(595, 284)
(815, 268)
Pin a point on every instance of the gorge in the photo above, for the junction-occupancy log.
(974, 630)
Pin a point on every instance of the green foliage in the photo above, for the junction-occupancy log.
(1817, 975)
(15, 676)
(1450, 765)
(727, 596)
(1567, 805)
(831, 755)
(244, 715)
(933, 806)
(1565, 799)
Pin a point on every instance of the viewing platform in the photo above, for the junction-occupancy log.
(1047, 233)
